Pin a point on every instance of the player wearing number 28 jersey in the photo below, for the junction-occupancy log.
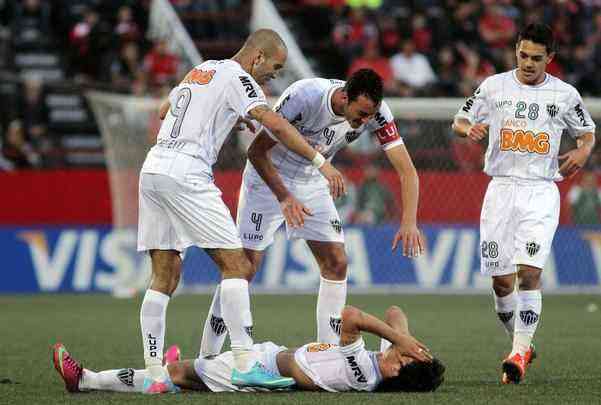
(524, 113)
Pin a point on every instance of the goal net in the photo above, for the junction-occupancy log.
(128, 126)
(452, 186)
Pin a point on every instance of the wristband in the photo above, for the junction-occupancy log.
(318, 160)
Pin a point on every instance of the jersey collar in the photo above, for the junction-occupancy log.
(328, 101)
(541, 84)
(373, 356)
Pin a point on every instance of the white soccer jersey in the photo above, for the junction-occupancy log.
(307, 105)
(204, 108)
(340, 368)
(526, 123)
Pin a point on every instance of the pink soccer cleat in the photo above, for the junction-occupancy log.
(68, 368)
(172, 355)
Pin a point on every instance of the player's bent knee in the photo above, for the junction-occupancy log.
(529, 278)
(502, 290)
(336, 268)
(349, 312)
(392, 311)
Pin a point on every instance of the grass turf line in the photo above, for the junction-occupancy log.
(463, 331)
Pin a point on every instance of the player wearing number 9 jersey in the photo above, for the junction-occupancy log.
(523, 112)
(180, 206)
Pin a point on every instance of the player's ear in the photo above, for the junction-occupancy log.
(259, 58)
(550, 57)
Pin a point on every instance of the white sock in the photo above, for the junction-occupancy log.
(215, 332)
(330, 303)
(235, 309)
(506, 309)
(528, 311)
(123, 380)
(152, 324)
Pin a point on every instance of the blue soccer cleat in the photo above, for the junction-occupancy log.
(259, 376)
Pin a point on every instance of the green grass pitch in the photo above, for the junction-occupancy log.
(103, 332)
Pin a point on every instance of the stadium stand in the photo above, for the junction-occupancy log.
(53, 51)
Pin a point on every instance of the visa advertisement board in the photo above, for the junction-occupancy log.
(100, 259)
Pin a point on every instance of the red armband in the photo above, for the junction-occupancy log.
(388, 133)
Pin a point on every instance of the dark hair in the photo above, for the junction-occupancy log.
(539, 34)
(365, 82)
(415, 377)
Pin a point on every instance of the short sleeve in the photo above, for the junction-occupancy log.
(385, 129)
(244, 94)
(290, 106)
(356, 347)
(577, 118)
(476, 109)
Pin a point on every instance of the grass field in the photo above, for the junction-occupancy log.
(462, 330)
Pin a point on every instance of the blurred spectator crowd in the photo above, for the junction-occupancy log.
(447, 47)
(51, 50)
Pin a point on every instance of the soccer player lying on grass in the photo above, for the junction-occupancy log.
(403, 365)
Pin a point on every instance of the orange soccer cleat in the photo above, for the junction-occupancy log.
(514, 367)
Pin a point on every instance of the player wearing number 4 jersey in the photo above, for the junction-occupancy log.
(330, 114)
(524, 113)
(180, 206)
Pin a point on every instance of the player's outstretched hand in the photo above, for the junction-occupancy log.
(477, 132)
(294, 212)
(334, 177)
(409, 346)
(574, 160)
(412, 240)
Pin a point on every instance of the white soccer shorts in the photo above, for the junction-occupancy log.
(174, 215)
(216, 373)
(259, 215)
(517, 225)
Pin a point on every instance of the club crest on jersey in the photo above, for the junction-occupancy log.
(126, 376)
(336, 224)
(532, 248)
(248, 86)
(249, 330)
(351, 136)
(552, 110)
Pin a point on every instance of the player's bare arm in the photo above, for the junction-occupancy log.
(409, 235)
(290, 137)
(258, 155)
(475, 132)
(575, 159)
(355, 321)
(397, 320)
(164, 108)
